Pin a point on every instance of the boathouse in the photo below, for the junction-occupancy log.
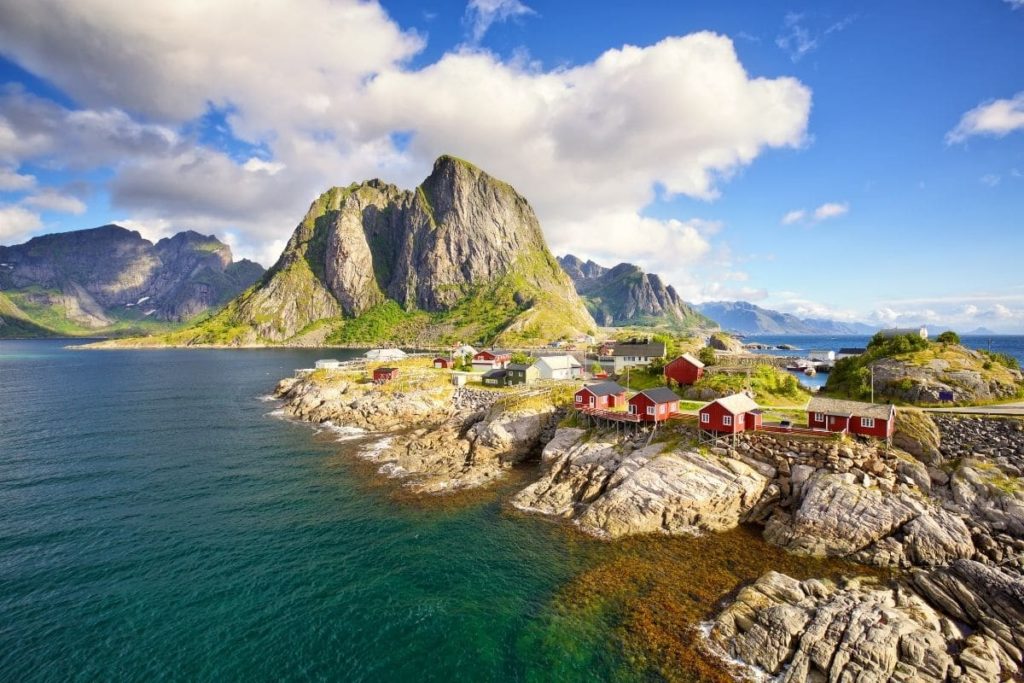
(867, 419)
(654, 405)
(731, 415)
(443, 363)
(600, 396)
(685, 370)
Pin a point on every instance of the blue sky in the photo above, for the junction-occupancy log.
(861, 161)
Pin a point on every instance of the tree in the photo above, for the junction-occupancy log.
(949, 337)
(707, 356)
(596, 369)
(521, 358)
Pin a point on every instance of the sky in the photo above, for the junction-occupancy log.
(857, 161)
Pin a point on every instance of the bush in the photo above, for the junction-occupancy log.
(1003, 359)
(707, 356)
(949, 337)
(521, 358)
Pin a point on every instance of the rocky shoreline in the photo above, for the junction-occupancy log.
(944, 512)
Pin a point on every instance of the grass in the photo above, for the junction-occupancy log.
(771, 386)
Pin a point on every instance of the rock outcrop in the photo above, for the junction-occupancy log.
(968, 375)
(613, 491)
(626, 295)
(724, 342)
(464, 247)
(96, 279)
(816, 630)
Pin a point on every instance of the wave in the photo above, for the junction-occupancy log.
(344, 432)
(374, 450)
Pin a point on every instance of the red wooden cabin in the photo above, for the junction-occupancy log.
(601, 396)
(441, 362)
(867, 419)
(654, 405)
(491, 359)
(382, 375)
(730, 415)
(685, 369)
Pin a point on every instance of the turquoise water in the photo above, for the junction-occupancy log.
(157, 524)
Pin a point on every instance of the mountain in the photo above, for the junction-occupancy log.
(459, 258)
(109, 280)
(626, 295)
(746, 318)
(979, 332)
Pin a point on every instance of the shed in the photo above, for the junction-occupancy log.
(382, 375)
(459, 378)
(601, 396)
(867, 419)
(730, 415)
(442, 362)
(654, 405)
(495, 378)
(686, 369)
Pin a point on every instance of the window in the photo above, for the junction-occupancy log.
(579, 398)
(867, 422)
(727, 420)
(705, 417)
(650, 410)
(818, 417)
(632, 409)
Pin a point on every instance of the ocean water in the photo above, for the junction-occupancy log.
(157, 524)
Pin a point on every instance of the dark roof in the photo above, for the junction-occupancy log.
(605, 389)
(517, 366)
(660, 395)
(834, 406)
(851, 350)
(491, 374)
(651, 350)
(386, 370)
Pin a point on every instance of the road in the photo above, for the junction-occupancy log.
(1000, 409)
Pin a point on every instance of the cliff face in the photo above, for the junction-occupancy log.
(462, 255)
(94, 281)
(626, 295)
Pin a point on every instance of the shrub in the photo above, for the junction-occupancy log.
(707, 356)
(949, 337)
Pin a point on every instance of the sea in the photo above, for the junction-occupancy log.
(161, 521)
(1012, 345)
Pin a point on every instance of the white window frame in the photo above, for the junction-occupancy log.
(867, 422)
(705, 418)
(819, 417)
(727, 420)
(650, 410)
(632, 409)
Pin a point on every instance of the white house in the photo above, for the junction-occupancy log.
(558, 367)
(463, 351)
(822, 356)
(635, 353)
(328, 364)
(384, 354)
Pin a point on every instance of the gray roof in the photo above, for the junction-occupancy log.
(737, 403)
(651, 350)
(518, 366)
(605, 389)
(493, 374)
(835, 406)
(660, 395)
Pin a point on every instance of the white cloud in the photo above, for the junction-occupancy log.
(822, 213)
(990, 179)
(12, 181)
(52, 200)
(794, 216)
(1015, 4)
(482, 14)
(798, 41)
(17, 223)
(831, 210)
(995, 118)
(332, 84)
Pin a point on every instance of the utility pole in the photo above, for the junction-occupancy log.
(872, 368)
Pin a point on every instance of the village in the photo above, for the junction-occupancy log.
(607, 395)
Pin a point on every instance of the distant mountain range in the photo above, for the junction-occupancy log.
(747, 318)
(112, 281)
(626, 295)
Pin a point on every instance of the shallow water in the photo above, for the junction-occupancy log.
(158, 524)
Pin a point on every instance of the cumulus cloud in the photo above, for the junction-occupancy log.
(333, 85)
(482, 14)
(17, 223)
(53, 200)
(995, 118)
(794, 216)
(12, 181)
